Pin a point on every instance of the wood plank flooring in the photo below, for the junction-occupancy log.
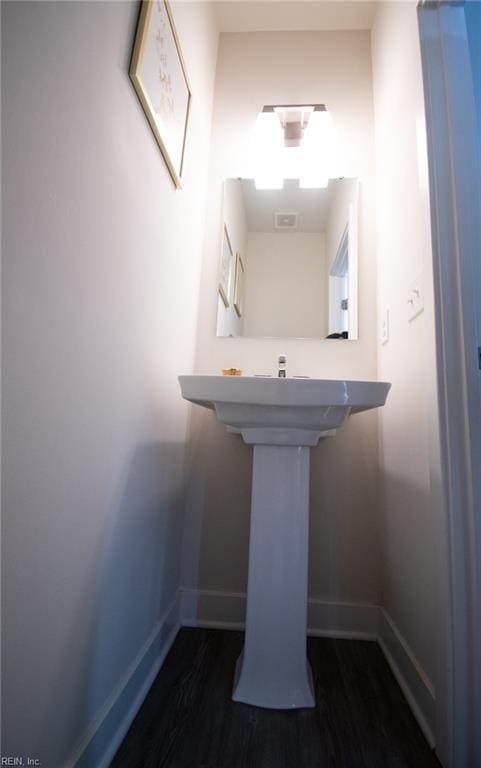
(188, 719)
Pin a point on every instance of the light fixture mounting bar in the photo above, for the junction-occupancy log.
(314, 107)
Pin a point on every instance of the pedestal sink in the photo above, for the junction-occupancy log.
(282, 419)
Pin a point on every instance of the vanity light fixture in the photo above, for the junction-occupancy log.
(266, 149)
(292, 141)
(269, 182)
(313, 182)
(294, 120)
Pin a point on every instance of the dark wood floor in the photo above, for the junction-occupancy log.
(188, 720)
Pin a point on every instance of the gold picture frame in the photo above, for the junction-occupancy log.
(159, 76)
(226, 268)
(239, 285)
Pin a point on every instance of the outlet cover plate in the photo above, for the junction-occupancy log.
(415, 299)
(384, 329)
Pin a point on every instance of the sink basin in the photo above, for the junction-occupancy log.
(277, 406)
(282, 419)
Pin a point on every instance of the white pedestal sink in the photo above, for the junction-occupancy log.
(283, 419)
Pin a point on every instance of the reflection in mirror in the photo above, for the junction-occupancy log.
(289, 261)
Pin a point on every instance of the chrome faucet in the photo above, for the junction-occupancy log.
(282, 361)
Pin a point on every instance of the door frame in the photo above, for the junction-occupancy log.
(455, 193)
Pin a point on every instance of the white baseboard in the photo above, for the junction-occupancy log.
(350, 620)
(106, 732)
(412, 679)
(211, 609)
(226, 610)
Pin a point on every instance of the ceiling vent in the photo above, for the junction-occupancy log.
(285, 220)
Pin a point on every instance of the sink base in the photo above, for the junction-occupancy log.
(273, 670)
(256, 696)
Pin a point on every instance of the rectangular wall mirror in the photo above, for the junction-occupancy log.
(289, 261)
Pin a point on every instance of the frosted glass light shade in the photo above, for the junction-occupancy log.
(313, 162)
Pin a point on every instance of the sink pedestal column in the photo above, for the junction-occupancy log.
(273, 670)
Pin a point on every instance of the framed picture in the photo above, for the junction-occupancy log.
(239, 285)
(226, 268)
(158, 73)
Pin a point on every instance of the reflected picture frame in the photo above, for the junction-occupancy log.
(239, 285)
(225, 280)
(159, 76)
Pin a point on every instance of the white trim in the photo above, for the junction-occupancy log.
(353, 274)
(96, 746)
(455, 214)
(412, 679)
(226, 610)
(214, 609)
(340, 264)
(354, 620)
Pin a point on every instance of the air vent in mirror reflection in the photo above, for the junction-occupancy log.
(285, 220)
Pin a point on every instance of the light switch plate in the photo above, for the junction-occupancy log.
(415, 299)
(384, 330)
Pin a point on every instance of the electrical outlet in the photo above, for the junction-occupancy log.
(384, 330)
(415, 299)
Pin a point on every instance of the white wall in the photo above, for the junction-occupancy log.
(285, 285)
(102, 258)
(234, 219)
(408, 424)
(343, 202)
(253, 70)
(338, 217)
